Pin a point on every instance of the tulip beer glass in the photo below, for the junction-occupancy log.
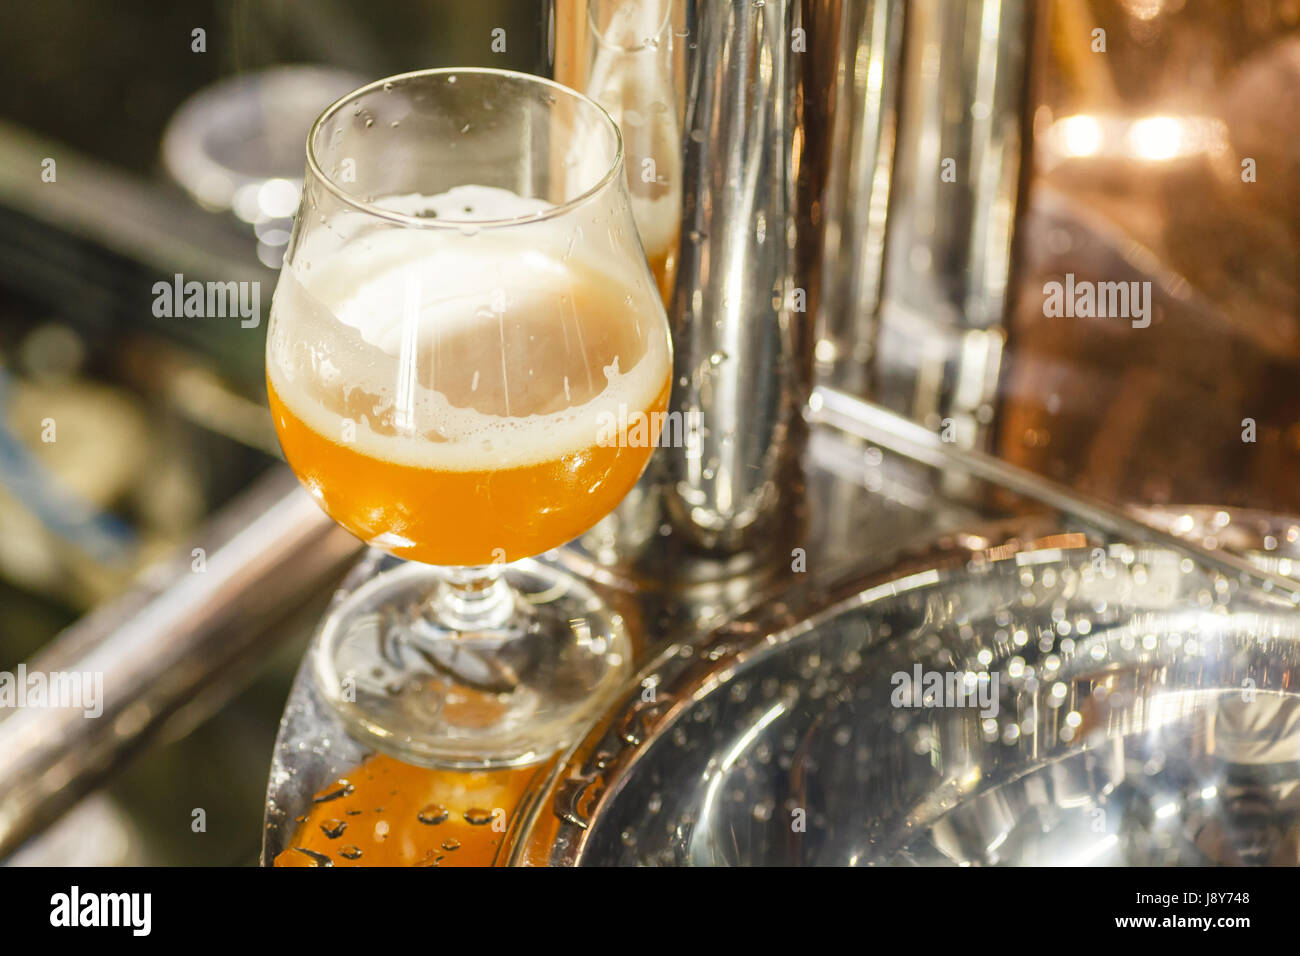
(467, 364)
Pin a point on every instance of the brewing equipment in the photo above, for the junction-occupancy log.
(937, 574)
(1125, 671)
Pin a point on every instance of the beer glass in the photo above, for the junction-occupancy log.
(468, 365)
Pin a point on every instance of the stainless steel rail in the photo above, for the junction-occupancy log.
(173, 649)
(879, 425)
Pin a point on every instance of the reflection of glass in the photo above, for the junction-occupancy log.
(237, 145)
(466, 363)
(624, 61)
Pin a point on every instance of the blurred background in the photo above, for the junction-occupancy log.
(133, 149)
(159, 422)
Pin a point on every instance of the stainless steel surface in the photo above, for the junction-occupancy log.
(752, 155)
(954, 202)
(878, 516)
(775, 740)
(856, 204)
(873, 423)
(848, 528)
(1142, 711)
(856, 163)
(1143, 657)
(742, 356)
(170, 650)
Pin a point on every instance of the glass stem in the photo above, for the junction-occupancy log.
(472, 599)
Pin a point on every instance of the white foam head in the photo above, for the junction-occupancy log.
(465, 349)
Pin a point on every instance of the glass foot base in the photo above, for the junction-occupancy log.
(464, 696)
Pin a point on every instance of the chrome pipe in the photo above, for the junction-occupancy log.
(856, 205)
(172, 649)
(725, 105)
(739, 309)
(955, 201)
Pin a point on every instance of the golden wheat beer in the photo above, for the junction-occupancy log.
(449, 401)
(468, 363)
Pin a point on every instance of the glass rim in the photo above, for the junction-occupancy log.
(425, 222)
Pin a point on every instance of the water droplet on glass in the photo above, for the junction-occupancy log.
(433, 814)
(344, 789)
(333, 828)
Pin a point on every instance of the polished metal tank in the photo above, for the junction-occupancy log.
(1117, 705)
